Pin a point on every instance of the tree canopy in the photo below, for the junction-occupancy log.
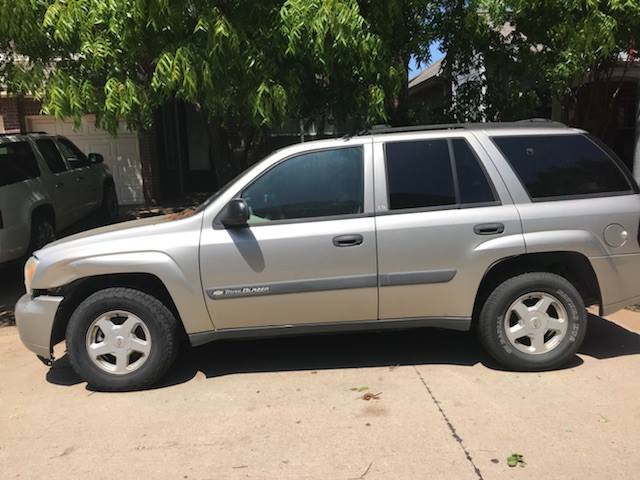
(242, 62)
(531, 50)
(250, 65)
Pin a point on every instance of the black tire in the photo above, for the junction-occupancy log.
(159, 320)
(109, 209)
(492, 330)
(42, 232)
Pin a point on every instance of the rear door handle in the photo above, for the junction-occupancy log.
(80, 178)
(59, 185)
(489, 228)
(347, 240)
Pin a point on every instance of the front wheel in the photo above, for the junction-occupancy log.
(121, 339)
(535, 321)
(42, 232)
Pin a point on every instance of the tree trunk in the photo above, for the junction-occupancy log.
(220, 152)
(399, 105)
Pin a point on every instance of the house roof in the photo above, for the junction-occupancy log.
(431, 71)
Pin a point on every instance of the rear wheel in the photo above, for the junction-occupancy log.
(121, 339)
(534, 321)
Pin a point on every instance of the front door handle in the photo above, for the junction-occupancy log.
(489, 228)
(347, 240)
(80, 178)
(59, 185)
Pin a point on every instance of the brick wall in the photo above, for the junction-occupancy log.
(13, 111)
(10, 111)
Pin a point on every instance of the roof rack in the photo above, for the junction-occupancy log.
(6, 134)
(528, 123)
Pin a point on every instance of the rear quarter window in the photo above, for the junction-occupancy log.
(560, 166)
(17, 163)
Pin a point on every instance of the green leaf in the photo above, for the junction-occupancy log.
(515, 459)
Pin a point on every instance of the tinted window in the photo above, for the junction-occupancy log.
(472, 181)
(51, 155)
(17, 163)
(315, 184)
(419, 174)
(75, 157)
(562, 165)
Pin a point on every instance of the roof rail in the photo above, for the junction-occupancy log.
(6, 134)
(527, 123)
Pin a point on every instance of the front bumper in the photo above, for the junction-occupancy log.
(34, 319)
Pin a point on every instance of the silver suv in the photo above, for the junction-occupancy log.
(510, 229)
(47, 184)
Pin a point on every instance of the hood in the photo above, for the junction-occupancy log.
(116, 227)
(118, 235)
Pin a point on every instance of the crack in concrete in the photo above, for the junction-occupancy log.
(454, 433)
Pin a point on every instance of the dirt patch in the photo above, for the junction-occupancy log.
(634, 308)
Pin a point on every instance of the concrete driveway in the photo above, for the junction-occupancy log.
(294, 408)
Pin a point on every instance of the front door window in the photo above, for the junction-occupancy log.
(327, 183)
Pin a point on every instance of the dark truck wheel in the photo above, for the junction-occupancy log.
(535, 321)
(42, 232)
(121, 339)
(109, 208)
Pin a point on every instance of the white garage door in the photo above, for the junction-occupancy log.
(121, 152)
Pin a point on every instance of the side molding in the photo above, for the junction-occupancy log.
(337, 283)
(416, 278)
(298, 286)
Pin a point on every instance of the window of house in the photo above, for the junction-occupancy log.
(316, 184)
(563, 166)
(421, 174)
(51, 155)
(17, 163)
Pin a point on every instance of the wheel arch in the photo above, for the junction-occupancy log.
(573, 266)
(77, 291)
(43, 209)
(107, 182)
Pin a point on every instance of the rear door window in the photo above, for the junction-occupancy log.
(51, 155)
(439, 173)
(560, 166)
(17, 163)
(472, 179)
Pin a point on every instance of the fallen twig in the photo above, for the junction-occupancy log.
(363, 473)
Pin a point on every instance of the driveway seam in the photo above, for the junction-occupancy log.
(446, 419)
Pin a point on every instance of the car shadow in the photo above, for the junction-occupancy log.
(604, 339)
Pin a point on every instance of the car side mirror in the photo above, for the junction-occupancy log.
(235, 214)
(95, 158)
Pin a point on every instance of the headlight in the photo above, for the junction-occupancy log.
(29, 271)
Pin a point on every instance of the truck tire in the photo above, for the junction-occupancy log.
(42, 232)
(121, 339)
(533, 322)
(109, 208)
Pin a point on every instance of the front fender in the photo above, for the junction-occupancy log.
(184, 287)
